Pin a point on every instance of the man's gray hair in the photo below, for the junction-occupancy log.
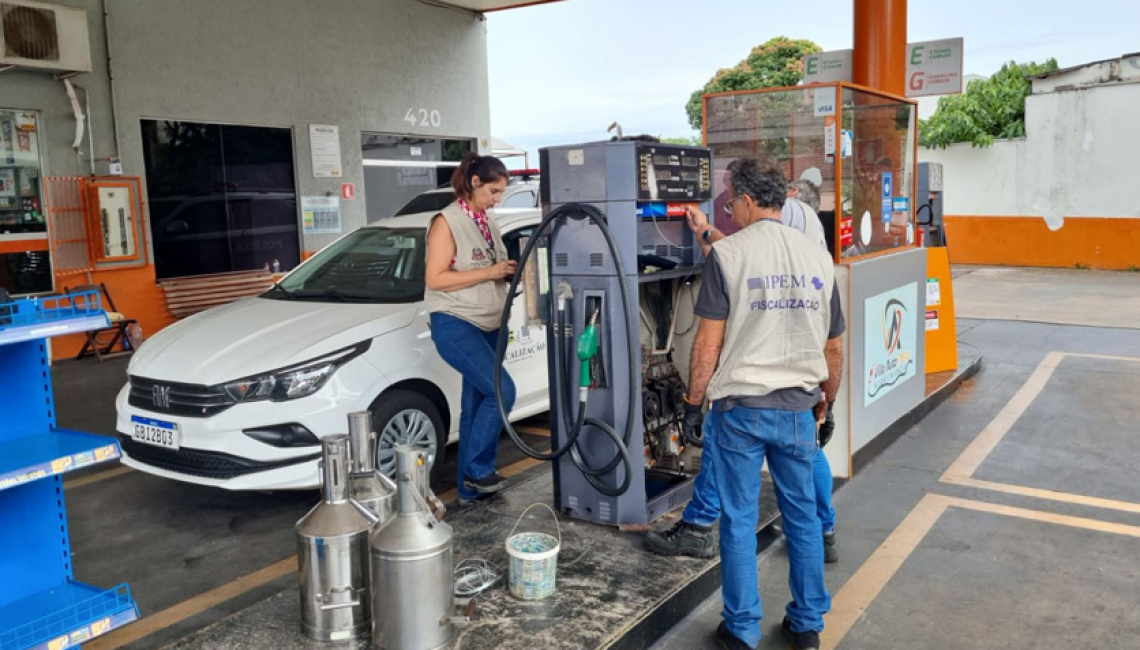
(761, 178)
(808, 193)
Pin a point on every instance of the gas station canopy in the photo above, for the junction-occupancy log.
(494, 5)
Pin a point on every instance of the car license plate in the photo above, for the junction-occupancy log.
(155, 432)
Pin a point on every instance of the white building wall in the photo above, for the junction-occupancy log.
(1079, 159)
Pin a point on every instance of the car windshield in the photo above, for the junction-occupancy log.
(371, 265)
(433, 202)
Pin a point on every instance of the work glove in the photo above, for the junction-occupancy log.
(827, 429)
(692, 426)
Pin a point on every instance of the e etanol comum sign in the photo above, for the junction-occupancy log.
(932, 67)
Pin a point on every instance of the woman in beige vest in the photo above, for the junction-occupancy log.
(467, 270)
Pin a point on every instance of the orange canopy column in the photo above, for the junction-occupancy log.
(879, 60)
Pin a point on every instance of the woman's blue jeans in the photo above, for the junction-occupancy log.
(737, 442)
(471, 351)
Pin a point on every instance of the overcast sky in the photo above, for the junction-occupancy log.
(562, 72)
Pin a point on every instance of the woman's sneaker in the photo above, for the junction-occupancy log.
(682, 539)
(489, 485)
(830, 555)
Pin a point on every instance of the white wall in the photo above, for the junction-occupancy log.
(1079, 159)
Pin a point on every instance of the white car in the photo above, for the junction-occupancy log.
(238, 397)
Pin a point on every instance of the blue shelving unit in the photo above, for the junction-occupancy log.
(42, 606)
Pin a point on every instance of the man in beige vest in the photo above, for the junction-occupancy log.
(768, 357)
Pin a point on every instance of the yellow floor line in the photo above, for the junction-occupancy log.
(95, 478)
(513, 469)
(155, 622)
(534, 431)
(148, 625)
(863, 587)
(972, 458)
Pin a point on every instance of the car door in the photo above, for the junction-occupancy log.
(526, 352)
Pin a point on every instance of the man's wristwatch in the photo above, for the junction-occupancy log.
(708, 233)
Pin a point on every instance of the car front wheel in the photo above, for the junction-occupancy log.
(407, 418)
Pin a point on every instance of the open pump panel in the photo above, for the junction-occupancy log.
(642, 189)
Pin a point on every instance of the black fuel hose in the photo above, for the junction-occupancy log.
(575, 210)
(591, 474)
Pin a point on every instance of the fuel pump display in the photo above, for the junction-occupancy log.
(615, 259)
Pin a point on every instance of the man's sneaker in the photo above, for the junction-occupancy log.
(489, 485)
(830, 555)
(726, 640)
(800, 640)
(682, 539)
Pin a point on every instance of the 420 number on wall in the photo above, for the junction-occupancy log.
(424, 117)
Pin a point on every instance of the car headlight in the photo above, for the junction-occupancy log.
(293, 382)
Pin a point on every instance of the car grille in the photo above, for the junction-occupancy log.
(186, 400)
(206, 464)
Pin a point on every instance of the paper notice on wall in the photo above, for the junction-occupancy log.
(933, 292)
(7, 182)
(824, 101)
(324, 140)
(829, 139)
(26, 122)
(932, 320)
(320, 214)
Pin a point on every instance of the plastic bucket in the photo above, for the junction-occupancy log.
(534, 560)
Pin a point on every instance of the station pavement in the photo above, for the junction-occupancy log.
(1008, 518)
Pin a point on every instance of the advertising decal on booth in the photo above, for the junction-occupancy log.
(889, 344)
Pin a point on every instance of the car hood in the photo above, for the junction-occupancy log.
(257, 335)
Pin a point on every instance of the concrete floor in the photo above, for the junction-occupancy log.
(1060, 296)
(1011, 531)
(1004, 532)
(174, 542)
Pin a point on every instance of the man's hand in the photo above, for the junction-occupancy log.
(826, 420)
(692, 427)
(698, 221)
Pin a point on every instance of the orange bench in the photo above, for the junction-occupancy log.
(190, 295)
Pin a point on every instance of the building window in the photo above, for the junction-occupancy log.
(25, 272)
(222, 198)
(397, 169)
(25, 266)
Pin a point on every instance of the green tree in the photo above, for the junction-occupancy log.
(779, 62)
(989, 109)
(694, 140)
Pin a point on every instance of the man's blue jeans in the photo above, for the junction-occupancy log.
(471, 351)
(741, 439)
(704, 509)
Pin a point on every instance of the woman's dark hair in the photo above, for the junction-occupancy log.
(488, 168)
(761, 178)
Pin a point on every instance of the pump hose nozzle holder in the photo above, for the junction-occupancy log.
(587, 340)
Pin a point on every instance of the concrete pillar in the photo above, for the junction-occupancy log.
(879, 61)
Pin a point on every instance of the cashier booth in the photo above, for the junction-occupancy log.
(859, 147)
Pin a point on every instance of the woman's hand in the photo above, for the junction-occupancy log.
(502, 270)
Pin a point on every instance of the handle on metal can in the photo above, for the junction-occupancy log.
(330, 595)
(557, 526)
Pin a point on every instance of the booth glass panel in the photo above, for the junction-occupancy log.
(795, 125)
(877, 173)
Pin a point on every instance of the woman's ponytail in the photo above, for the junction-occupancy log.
(488, 168)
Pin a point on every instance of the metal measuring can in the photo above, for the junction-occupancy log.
(413, 568)
(332, 555)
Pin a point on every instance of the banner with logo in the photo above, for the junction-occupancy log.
(889, 341)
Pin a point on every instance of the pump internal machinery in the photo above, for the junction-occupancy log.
(612, 271)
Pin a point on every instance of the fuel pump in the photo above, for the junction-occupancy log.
(614, 256)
